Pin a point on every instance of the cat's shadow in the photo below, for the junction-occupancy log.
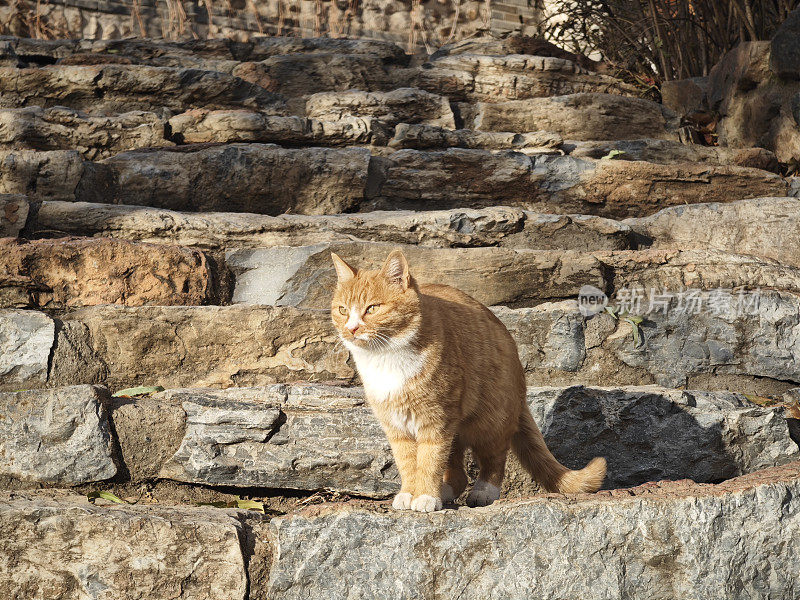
(643, 436)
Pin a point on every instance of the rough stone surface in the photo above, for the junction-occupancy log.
(499, 225)
(403, 105)
(13, 214)
(315, 436)
(625, 188)
(767, 227)
(83, 272)
(677, 345)
(103, 89)
(57, 545)
(56, 437)
(53, 175)
(298, 75)
(216, 346)
(298, 437)
(514, 77)
(579, 117)
(675, 270)
(731, 541)
(200, 126)
(304, 276)
(670, 152)
(560, 184)
(717, 348)
(756, 108)
(784, 56)
(260, 178)
(422, 137)
(149, 431)
(64, 129)
(222, 49)
(26, 339)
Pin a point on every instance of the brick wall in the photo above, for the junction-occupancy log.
(430, 23)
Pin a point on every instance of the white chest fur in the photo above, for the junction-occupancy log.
(385, 372)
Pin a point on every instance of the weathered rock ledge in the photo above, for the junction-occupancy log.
(494, 226)
(269, 179)
(716, 347)
(311, 437)
(737, 539)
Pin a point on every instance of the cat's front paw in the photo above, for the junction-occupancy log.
(425, 503)
(402, 501)
(483, 493)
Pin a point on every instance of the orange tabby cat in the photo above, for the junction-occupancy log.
(442, 374)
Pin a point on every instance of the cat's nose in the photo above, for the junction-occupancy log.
(352, 328)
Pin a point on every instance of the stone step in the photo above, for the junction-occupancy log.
(268, 179)
(668, 152)
(311, 437)
(475, 77)
(261, 178)
(200, 126)
(35, 51)
(292, 75)
(95, 137)
(102, 89)
(427, 137)
(589, 116)
(70, 272)
(56, 544)
(729, 541)
(304, 276)
(767, 227)
(715, 340)
(425, 180)
(74, 272)
(98, 137)
(496, 226)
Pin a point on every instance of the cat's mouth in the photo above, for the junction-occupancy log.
(359, 339)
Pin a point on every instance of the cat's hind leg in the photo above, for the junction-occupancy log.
(492, 463)
(455, 478)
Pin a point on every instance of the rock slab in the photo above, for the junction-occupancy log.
(289, 437)
(26, 339)
(733, 541)
(83, 272)
(56, 437)
(313, 436)
(60, 546)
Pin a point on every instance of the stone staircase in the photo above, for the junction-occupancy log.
(169, 212)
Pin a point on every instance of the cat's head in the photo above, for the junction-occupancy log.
(376, 310)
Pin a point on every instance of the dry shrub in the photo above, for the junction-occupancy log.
(661, 40)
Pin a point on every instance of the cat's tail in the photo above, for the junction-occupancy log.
(528, 444)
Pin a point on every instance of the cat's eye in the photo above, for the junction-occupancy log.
(371, 309)
(342, 310)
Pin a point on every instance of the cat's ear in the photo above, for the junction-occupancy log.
(395, 269)
(343, 271)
